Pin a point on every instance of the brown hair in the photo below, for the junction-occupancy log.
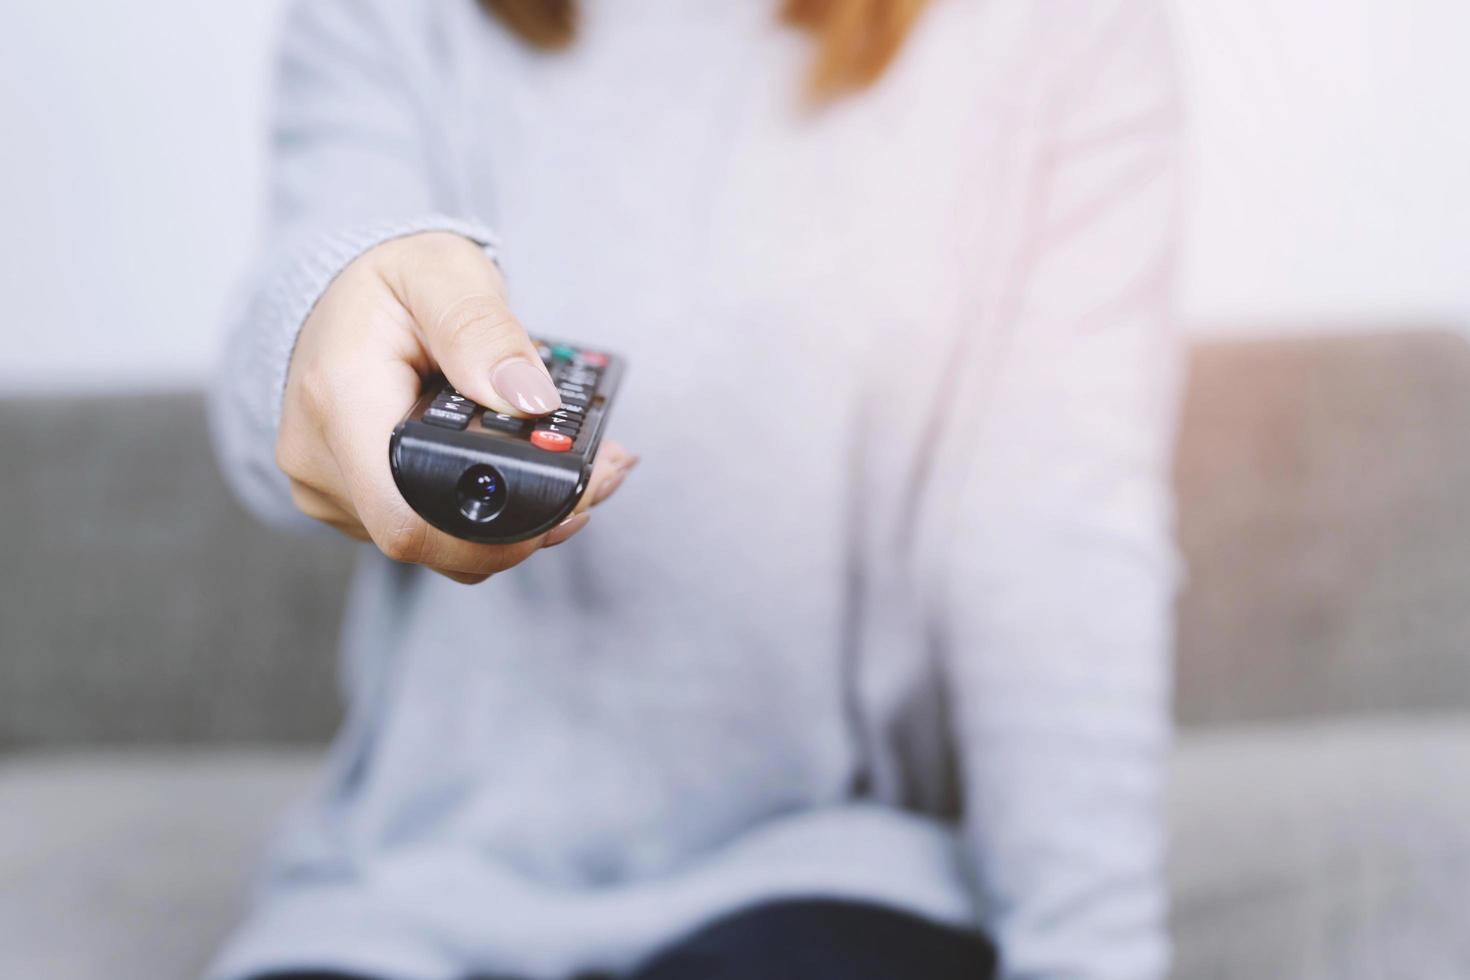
(856, 39)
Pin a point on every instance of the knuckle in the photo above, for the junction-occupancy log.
(508, 556)
(288, 461)
(484, 561)
(317, 389)
(348, 527)
(477, 321)
(308, 502)
(301, 498)
(404, 540)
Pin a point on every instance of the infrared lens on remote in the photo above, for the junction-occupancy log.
(481, 492)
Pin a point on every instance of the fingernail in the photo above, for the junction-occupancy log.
(525, 386)
(566, 529)
(609, 485)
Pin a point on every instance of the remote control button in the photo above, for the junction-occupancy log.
(505, 423)
(463, 407)
(562, 352)
(592, 358)
(446, 419)
(566, 419)
(552, 442)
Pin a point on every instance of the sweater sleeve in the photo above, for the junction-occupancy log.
(1061, 564)
(355, 151)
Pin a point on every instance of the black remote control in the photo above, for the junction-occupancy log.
(498, 478)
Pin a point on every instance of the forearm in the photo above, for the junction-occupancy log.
(351, 167)
(1062, 720)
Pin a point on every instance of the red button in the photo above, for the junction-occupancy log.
(552, 442)
(592, 358)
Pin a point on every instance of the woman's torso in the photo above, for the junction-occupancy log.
(791, 285)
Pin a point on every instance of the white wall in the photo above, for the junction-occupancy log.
(1332, 173)
(130, 173)
(1331, 161)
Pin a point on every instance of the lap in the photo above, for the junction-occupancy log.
(806, 939)
(823, 939)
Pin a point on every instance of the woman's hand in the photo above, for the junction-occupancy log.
(394, 315)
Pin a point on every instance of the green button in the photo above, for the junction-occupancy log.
(562, 353)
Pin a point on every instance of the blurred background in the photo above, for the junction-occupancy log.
(152, 709)
(1330, 160)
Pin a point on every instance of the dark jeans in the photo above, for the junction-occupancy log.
(810, 939)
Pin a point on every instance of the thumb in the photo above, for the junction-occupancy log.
(456, 296)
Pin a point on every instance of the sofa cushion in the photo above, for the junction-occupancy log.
(1323, 851)
(1323, 489)
(132, 866)
(145, 605)
(1310, 852)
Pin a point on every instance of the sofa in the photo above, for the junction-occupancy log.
(166, 682)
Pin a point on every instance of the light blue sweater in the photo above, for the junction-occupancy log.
(885, 611)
